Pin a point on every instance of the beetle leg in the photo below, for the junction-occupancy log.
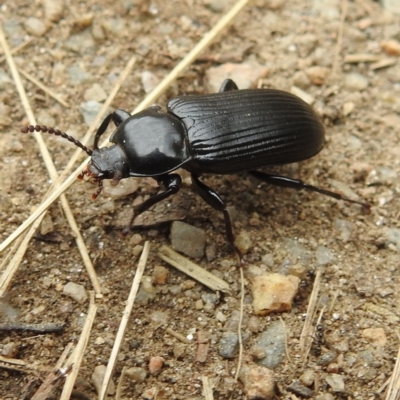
(212, 198)
(228, 85)
(172, 184)
(299, 185)
(117, 117)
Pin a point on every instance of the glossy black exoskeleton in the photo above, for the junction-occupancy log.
(221, 133)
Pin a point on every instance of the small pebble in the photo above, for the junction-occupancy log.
(258, 381)
(327, 358)
(391, 47)
(147, 292)
(188, 239)
(76, 292)
(53, 10)
(307, 378)
(155, 365)
(356, 81)
(96, 93)
(149, 81)
(160, 275)
(10, 350)
(35, 26)
(137, 374)
(228, 345)
(98, 377)
(336, 382)
(273, 293)
(333, 368)
(317, 74)
(89, 110)
(243, 242)
(323, 255)
(392, 238)
(376, 336)
(245, 75)
(300, 390)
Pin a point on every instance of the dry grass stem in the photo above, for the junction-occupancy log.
(178, 336)
(50, 168)
(18, 48)
(286, 340)
(54, 379)
(118, 392)
(240, 359)
(22, 366)
(208, 38)
(124, 320)
(386, 62)
(306, 334)
(45, 89)
(193, 270)
(393, 391)
(207, 388)
(76, 358)
(361, 58)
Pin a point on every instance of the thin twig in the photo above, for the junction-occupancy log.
(124, 320)
(77, 356)
(18, 48)
(45, 89)
(178, 336)
(37, 328)
(286, 341)
(240, 359)
(21, 365)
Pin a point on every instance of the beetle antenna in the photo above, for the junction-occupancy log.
(43, 128)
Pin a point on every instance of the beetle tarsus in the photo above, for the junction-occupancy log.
(298, 184)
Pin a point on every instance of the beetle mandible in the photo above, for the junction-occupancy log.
(221, 133)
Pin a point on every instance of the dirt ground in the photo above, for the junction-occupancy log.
(296, 41)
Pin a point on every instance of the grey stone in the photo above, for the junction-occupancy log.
(188, 239)
(273, 341)
(76, 292)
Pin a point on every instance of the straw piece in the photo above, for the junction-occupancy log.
(207, 388)
(124, 320)
(40, 85)
(306, 334)
(193, 270)
(75, 360)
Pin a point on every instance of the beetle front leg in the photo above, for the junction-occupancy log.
(172, 184)
(212, 198)
(298, 184)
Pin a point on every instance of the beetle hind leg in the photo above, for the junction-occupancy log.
(298, 184)
(214, 200)
(228, 85)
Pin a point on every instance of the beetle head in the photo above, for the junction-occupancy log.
(107, 163)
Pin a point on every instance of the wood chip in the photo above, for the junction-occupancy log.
(193, 270)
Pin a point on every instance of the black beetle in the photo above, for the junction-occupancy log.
(221, 133)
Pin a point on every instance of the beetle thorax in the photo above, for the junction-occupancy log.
(153, 142)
